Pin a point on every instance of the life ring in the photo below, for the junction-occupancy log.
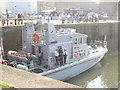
(75, 54)
(36, 37)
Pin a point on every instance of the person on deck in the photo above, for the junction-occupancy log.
(65, 56)
(15, 18)
(60, 56)
(19, 18)
(57, 56)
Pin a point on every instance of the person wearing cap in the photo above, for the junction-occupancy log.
(65, 55)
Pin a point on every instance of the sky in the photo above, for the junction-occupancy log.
(28, 5)
(18, 5)
(96, 1)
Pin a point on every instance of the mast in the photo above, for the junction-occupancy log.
(104, 41)
(1, 56)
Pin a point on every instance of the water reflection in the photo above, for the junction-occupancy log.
(97, 83)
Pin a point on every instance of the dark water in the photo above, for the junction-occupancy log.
(102, 75)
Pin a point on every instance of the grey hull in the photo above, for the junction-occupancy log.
(68, 71)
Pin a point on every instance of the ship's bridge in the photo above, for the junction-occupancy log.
(68, 35)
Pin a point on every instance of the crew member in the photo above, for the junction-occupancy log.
(65, 55)
(15, 18)
(40, 57)
(57, 56)
(61, 56)
(28, 56)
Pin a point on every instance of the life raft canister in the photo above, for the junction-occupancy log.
(2, 61)
(36, 37)
(75, 54)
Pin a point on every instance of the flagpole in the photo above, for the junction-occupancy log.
(1, 49)
(1, 56)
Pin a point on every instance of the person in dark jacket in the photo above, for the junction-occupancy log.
(19, 18)
(3, 21)
(7, 15)
(60, 56)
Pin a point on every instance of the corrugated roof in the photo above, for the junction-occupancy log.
(87, 9)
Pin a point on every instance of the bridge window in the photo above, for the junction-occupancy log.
(75, 40)
(83, 40)
(80, 40)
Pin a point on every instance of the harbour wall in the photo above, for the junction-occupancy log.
(17, 78)
(95, 31)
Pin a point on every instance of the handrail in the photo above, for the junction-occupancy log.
(18, 18)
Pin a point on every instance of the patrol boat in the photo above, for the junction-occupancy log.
(38, 52)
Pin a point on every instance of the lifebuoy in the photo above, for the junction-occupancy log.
(36, 37)
(75, 54)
